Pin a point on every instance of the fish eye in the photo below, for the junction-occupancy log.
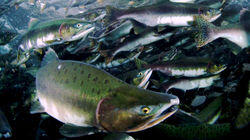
(78, 25)
(145, 110)
(140, 74)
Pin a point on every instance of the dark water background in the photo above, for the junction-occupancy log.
(17, 87)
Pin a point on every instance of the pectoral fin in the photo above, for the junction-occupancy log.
(36, 108)
(40, 51)
(145, 86)
(52, 41)
(69, 130)
(118, 136)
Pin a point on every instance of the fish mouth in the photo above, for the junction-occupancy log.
(82, 33)
(166, 111)
(145, 79)
(223, 67)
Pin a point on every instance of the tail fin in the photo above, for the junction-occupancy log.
(204, 31)
(111, 14)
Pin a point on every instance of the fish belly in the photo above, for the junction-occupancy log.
(175, 20)
(39, 41)
(62, 111)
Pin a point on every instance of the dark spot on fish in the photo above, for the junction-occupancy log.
(89, 75)
(66, 70)
(106, 81)
(114, 95)
(74, 79)
(66, 81)
(81, 83)
(83, 95)
(98, 91)
(75, 68)
(109, 90)
(82, 71)
(95, 79)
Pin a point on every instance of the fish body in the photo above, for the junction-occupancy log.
(81, 95)
(119, 62)
(192, 83)
(54, 32)
(188, 67)
(236, 33)
(144, 38)
(171, 14)
(118, 32)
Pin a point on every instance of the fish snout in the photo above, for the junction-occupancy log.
(173, 100)
(172, 105)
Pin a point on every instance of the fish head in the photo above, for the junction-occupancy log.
(142, 77)
(209, 14)
(134, 109)
(75, 29)
(215, 69)
(206, 31)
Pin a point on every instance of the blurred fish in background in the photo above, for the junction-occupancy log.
(124, 69)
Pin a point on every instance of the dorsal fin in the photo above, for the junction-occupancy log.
(49, 56)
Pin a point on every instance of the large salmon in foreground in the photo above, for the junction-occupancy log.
(90, 100)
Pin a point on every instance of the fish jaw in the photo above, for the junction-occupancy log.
(81, 34)
(217, 69)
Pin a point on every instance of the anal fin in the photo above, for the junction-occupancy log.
(69, 130)
(118, 136)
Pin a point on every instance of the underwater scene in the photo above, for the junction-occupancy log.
(124, 69)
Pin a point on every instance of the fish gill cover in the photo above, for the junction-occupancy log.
(102, 68)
